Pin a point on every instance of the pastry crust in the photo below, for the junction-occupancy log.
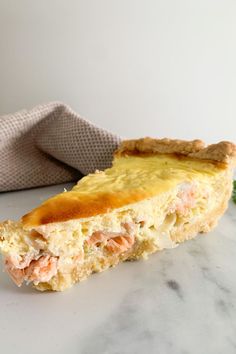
(224, 151)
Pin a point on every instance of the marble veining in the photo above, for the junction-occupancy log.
(172, 284)
(179, 301)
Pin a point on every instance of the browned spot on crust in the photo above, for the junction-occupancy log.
(37, 235)
(61, 208)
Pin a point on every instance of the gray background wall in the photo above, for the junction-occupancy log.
(151, 67)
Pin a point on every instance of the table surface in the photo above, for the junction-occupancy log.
(179, 301)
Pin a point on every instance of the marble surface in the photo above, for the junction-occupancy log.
(179, 301)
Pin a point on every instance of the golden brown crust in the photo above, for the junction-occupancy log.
(224, 151)
(60, 208)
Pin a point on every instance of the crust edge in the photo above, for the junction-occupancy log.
(224, 151)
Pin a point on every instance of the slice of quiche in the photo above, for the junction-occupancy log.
(157, 194)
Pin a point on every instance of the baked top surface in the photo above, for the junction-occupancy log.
(141, 169)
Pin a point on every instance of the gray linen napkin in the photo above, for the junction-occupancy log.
(50, 144)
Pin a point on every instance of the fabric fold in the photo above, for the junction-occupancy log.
(51, 144)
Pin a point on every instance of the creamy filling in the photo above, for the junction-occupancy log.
(64, 250)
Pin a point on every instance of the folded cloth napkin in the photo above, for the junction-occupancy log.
(50, 144)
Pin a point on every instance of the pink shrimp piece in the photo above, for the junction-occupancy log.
(187, 200)
(19, 262)
(16, 274)
(120, 244)
(98, 237)
(42, 269)
(115, 242)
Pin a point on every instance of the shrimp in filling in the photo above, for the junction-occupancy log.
(55, 256)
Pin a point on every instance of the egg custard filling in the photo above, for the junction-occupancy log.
(149, 200)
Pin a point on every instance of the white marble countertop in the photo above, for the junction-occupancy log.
(179, 301)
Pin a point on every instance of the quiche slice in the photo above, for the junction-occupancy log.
(157, 194)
